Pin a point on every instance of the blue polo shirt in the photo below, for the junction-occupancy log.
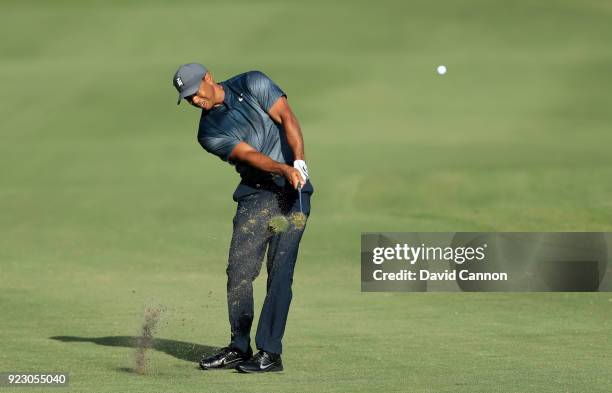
(243, 116)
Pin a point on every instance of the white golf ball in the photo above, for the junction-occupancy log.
(441, 69)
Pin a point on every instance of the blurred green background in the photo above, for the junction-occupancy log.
(108, 204)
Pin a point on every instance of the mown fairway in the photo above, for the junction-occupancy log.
(108, 204)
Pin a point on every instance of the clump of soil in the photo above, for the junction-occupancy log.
(299, 220)
(278, 224)
(145, 341)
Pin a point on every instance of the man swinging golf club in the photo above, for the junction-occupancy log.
(247, 121)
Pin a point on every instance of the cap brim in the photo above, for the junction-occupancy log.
(187, 92)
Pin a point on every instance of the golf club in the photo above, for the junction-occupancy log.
(300, 196)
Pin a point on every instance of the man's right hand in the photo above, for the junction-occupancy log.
(293, 176)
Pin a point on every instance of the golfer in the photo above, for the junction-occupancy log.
(247, 122)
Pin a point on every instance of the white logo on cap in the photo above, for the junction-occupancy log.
(179, 82)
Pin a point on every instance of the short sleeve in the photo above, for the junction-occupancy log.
(221, 145)
(265, 91)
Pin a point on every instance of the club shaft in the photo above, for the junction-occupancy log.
(300, 198)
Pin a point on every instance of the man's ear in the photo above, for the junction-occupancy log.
(208, 77)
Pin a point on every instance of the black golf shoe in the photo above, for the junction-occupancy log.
(226, 358)
(262, 362)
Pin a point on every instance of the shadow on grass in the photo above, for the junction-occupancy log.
(179, 349)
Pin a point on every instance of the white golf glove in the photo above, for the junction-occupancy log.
(300, 165)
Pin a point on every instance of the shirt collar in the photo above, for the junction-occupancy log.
(229, 96)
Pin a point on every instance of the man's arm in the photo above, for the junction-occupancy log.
(281, 113)
(243, 152)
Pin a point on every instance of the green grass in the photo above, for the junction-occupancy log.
(108, 204)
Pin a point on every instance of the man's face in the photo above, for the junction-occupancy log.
(205, 97)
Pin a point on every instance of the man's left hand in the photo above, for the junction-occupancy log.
(300, 165)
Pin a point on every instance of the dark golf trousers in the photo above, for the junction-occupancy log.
(267, 219)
